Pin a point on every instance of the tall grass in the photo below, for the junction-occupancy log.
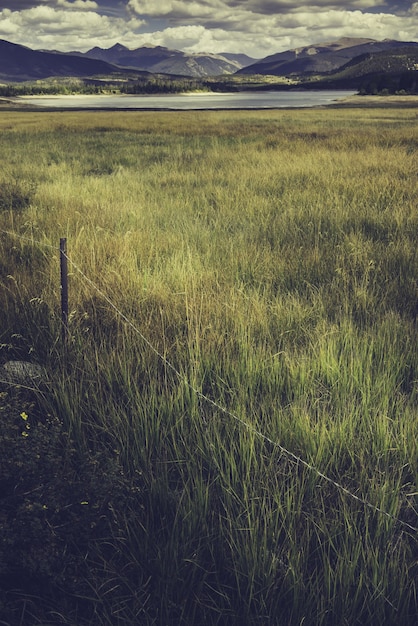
(269, 259)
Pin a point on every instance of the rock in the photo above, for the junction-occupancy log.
(22, 373)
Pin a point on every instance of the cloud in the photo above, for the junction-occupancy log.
(256, 27)
(270, 7)
(178, 9)
(79, 5)
(262, 35)
(44, 26)
(262, 27)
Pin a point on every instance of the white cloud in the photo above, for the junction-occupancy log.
(177, 8)
(192, 38)
(47, 27)
(8, 26)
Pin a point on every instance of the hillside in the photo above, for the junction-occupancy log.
(19, 63)
(381, 72)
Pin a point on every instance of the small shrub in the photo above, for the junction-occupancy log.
(15, 196)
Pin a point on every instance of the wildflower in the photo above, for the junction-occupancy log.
(24, 416)
(84, 502)
(25, 433)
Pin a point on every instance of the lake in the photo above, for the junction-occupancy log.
(191, 101)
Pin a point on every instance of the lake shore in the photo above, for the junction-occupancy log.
(371, 102)
(356, 101)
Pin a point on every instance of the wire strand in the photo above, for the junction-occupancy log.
(30, 240)
(291, 455)
(294, 457)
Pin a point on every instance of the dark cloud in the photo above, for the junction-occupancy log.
(182, 7)
(271, 7)
(215, 11)
(17, 5)
(20, 5)
(268, 7)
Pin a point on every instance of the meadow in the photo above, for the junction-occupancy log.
(230, 434)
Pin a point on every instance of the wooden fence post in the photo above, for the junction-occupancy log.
(64, 290)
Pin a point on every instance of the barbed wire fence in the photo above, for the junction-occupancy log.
(294, 458)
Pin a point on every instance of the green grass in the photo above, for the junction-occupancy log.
(269, 258)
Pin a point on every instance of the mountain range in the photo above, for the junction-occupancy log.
(160, 60)
(20, 63)
(347, 62)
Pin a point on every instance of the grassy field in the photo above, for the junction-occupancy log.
(230, 435)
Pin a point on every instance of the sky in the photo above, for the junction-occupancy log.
(257, 28)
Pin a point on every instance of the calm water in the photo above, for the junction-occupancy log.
(242, 100)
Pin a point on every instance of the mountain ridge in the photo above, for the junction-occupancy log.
(159, 59)
(320, 58)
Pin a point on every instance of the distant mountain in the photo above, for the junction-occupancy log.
(19, 63)
(242, 59)
(320, 59)
(160, 60)
(364, 64)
